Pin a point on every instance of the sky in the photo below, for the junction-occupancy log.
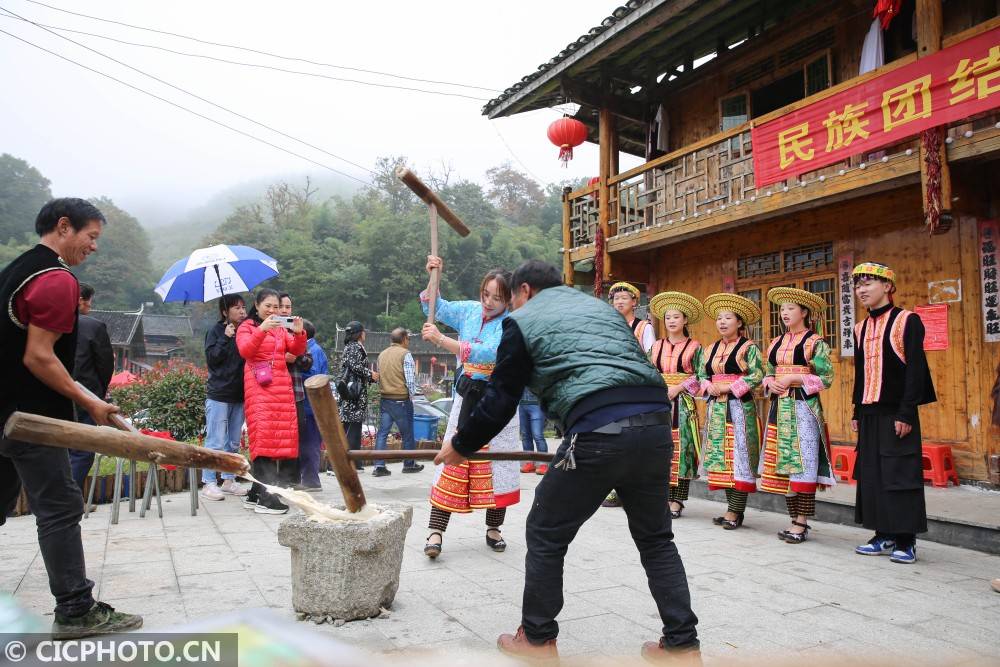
(94, 137)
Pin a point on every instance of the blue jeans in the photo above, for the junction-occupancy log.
(532, 427)
(401, 414)
(310, 451)
(224, 428)
(79, 460)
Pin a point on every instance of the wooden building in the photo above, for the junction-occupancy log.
(166, 335)
(127, 340)
(738, 193)
(431, 362)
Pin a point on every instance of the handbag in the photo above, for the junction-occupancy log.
(263, 371)
(349, 390)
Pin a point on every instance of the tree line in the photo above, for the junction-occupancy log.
(344, 258)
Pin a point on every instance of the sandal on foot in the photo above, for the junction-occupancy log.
(732, 525)
(797, 538)
(497, 545)
(432, 550)
(676, 514)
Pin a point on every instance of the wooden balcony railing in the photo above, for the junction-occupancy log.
(707, 177)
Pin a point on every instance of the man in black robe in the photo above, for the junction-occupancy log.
(891, 379)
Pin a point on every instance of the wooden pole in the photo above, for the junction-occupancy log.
(606, 123)
(40, 430)
(429, 454)
(930, 30)
(328, 420)
(428, 196)
(432, 290)
(567, 238)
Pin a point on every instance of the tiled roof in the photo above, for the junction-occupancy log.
(376, 341)
(121, 325)
(573, 47)
(167, 325)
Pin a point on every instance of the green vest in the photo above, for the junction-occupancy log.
(579, 345)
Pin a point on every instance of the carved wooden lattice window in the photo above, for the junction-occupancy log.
(825, 287)
(809, 257)
(759, 273)
(754, 331)
(755, 266)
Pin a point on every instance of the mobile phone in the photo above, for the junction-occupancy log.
(286, 321)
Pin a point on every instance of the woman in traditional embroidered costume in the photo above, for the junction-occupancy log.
(475, 484)
(677, 357)
(731, 370)
(796, 458)
(624, 298)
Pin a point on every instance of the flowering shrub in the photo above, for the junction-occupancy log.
(174, 396)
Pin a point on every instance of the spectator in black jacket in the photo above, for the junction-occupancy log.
(224, 405)
(95, 364)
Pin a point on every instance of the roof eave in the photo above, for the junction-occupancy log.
(508, 106)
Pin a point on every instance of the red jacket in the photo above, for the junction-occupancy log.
(272, 425)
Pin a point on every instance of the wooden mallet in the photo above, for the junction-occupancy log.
(435, 207)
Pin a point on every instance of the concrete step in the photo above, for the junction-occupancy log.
(964, 516)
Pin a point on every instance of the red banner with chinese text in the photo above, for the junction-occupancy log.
(952, 84)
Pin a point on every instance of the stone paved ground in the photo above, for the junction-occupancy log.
(756, 597)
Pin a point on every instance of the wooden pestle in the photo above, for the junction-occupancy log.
(328, 420)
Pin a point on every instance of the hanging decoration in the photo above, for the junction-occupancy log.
(567, 133)
(930, 141)
(885, 11)
(599, 263)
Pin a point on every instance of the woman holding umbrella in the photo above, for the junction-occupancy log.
(272, 427)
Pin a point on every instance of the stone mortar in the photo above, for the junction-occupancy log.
(345, 569)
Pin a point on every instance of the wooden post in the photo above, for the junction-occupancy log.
(606, 123)
(930, 29)
(432, 290)
(429, 454)
(328, 420)
(567, 238)
(40, 430)
(435, 206)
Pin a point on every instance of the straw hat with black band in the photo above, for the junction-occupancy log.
(745, 309)
(814, 302)
(624, 287)
(685, 303)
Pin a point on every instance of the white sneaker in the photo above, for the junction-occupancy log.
(211, 492)
(233, 488)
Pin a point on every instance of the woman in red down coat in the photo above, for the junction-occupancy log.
(272, 425)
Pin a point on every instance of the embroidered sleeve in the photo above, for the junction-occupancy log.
(451, 313)
(822, 378)
(754, 373)
(693, 385)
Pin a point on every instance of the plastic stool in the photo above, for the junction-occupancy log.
(843, 457)
(939, 465)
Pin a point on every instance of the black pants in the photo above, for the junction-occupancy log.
(57, 504)
(637, 464)
(353, 432)
(276, 472)
(80, 461)
(889, 498)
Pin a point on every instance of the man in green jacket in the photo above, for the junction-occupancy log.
(582, 361)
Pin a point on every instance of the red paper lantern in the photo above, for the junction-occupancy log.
(567, 133)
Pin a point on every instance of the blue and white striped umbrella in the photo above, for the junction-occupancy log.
(208, 273)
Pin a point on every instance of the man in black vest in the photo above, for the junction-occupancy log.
(93, 368)
(589, 373)
(38, 331)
